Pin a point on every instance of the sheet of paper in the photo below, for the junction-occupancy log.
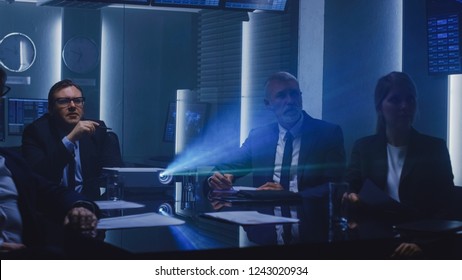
(117, 204)
(243, 188)
(137, 221)
(371, 194)
(249, 218)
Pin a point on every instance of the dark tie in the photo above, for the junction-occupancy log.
(286, 161)
(285, 179)
(71, 172)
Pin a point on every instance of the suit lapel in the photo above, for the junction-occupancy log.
(307, 146)
(379, 161)
(268, 155)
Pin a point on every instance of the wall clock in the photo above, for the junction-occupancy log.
(17, 52)
(80, 54)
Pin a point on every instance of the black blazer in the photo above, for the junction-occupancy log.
(43, 149)
(426, 179)
(38, 198)
(321, 159)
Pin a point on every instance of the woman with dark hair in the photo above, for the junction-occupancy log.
(413, 169)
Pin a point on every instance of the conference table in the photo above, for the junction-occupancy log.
(215, 227)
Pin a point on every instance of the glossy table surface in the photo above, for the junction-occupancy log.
(316, 236)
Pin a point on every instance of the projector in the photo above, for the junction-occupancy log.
(140, 177)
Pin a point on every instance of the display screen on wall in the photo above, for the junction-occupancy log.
(23, 111)
(187, 3)
(444, 18)
(267, 5)
(133, 2)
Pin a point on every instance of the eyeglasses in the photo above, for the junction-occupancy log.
(63, 102)
(5, 90)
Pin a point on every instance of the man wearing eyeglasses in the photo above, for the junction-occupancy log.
(66, 148)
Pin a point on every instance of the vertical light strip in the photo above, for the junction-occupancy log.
(55, 71)
(105, 87)
(245, 91)
(454, 126)
(310, 55)
(398, 56)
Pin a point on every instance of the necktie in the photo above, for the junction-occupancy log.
(71, 172)
(285, 179)
(286, 161)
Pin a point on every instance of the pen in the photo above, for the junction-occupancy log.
(105, 127)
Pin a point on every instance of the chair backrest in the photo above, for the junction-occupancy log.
(115, 141)
(457, 202)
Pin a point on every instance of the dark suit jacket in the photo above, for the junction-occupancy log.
(43, 149)
(426, 179)
(37, 197)
(321, 159)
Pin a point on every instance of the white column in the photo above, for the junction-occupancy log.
(455, 126)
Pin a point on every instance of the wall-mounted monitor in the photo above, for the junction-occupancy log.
(89, 4)
(267, 5)
(23, 111)
(444, 25)
(187, 3)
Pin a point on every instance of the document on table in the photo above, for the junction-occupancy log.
(117, 204)
(137, 221)
(249, 218)
(243, 188)
(371, 194)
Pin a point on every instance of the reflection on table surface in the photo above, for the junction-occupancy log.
(316, 235)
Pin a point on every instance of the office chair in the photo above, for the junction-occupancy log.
(114, 140)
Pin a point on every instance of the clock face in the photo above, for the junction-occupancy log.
(17, 52)
(81, 55)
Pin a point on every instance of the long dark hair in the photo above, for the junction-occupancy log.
(384, 85)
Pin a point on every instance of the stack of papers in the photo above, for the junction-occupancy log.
(117, 204)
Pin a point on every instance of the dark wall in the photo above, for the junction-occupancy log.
(147, 56)
(84, 24)
(362, 43)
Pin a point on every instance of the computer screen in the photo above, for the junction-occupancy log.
(444, 18)
(23, 111)
(187, 3)
(267, 5)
